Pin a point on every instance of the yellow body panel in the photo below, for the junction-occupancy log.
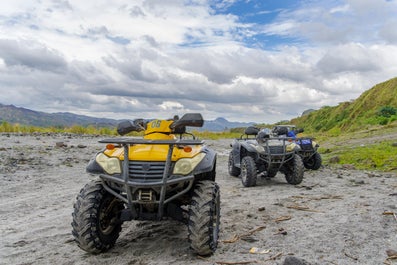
(155, 130)
(158, 126)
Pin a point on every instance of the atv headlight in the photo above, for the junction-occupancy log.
(110, 164)
(186, 165)
(293, 147)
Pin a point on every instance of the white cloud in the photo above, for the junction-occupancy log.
(119, 59)
(171, 105)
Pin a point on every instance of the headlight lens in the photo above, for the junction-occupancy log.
(185, 166)
(110, 164)
(293, 147)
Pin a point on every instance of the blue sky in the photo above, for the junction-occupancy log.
(244, 60)
(258, 13)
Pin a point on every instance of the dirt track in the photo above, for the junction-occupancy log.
(334, 216)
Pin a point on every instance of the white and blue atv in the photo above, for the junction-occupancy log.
(262, 153)
(308, 147)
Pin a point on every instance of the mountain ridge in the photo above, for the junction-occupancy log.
(19, 115)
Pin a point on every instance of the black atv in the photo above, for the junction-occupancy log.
(260, 153)
(309, 148)
(160, 175)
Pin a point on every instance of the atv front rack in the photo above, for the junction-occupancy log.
(163, 183)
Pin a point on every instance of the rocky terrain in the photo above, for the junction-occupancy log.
(335, 216)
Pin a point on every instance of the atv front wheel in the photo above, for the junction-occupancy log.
(314, 162)
(96, 218)
(294, 170)
(204, 218)
(248, 171)
(233, 170)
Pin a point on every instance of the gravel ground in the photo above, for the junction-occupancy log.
(335, 216)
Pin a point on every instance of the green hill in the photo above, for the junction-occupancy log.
(376, 106)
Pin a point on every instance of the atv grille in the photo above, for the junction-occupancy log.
(146, 171)
(275, 150)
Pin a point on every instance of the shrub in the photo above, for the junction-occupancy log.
(387, 111)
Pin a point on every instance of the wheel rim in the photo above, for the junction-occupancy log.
(108, 216)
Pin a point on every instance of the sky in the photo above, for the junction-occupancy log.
(244, 60)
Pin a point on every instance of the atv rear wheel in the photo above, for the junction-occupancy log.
(96, 218)
(233, 170)
(248, 171)
(314, 162)
(204, 218)
(294, 170)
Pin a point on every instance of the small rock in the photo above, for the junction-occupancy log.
(249, 239)
(391, 252)
(81, 146)
(394, 144)
(358, 182)
(290, 260)
(60, 144)
(373, 175)
(334, 159)
(348, 166)
(261, 209)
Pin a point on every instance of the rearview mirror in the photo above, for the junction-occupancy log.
(128, 126)
(189, 119)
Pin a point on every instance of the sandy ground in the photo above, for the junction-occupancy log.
(335, 216)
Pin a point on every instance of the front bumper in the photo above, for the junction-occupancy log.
(145, 187)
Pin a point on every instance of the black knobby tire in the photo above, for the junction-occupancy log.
(314, 162)
(294, 170)
(204, 218)
(96, 218)
(248, 171)
(233, 170)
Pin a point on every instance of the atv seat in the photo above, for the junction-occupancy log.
(251, 130)
(280, 130)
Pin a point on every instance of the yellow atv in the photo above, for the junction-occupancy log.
(150, 178)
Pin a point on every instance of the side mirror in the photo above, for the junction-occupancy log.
(128, 126)
(189, 119)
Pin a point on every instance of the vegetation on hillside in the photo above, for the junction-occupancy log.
(376, 106)
(75, 129)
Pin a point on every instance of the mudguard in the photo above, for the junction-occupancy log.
(208, 163)
(93, 167)
(238, 147)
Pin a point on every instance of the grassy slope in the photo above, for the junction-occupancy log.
(374, 148)
(352, 116)
(355, 132)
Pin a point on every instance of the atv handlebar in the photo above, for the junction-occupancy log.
(145, 141)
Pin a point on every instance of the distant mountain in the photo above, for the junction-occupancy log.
(376, 106)
(13, 114)
(221, 124)
(23, 116)
(306, 112)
